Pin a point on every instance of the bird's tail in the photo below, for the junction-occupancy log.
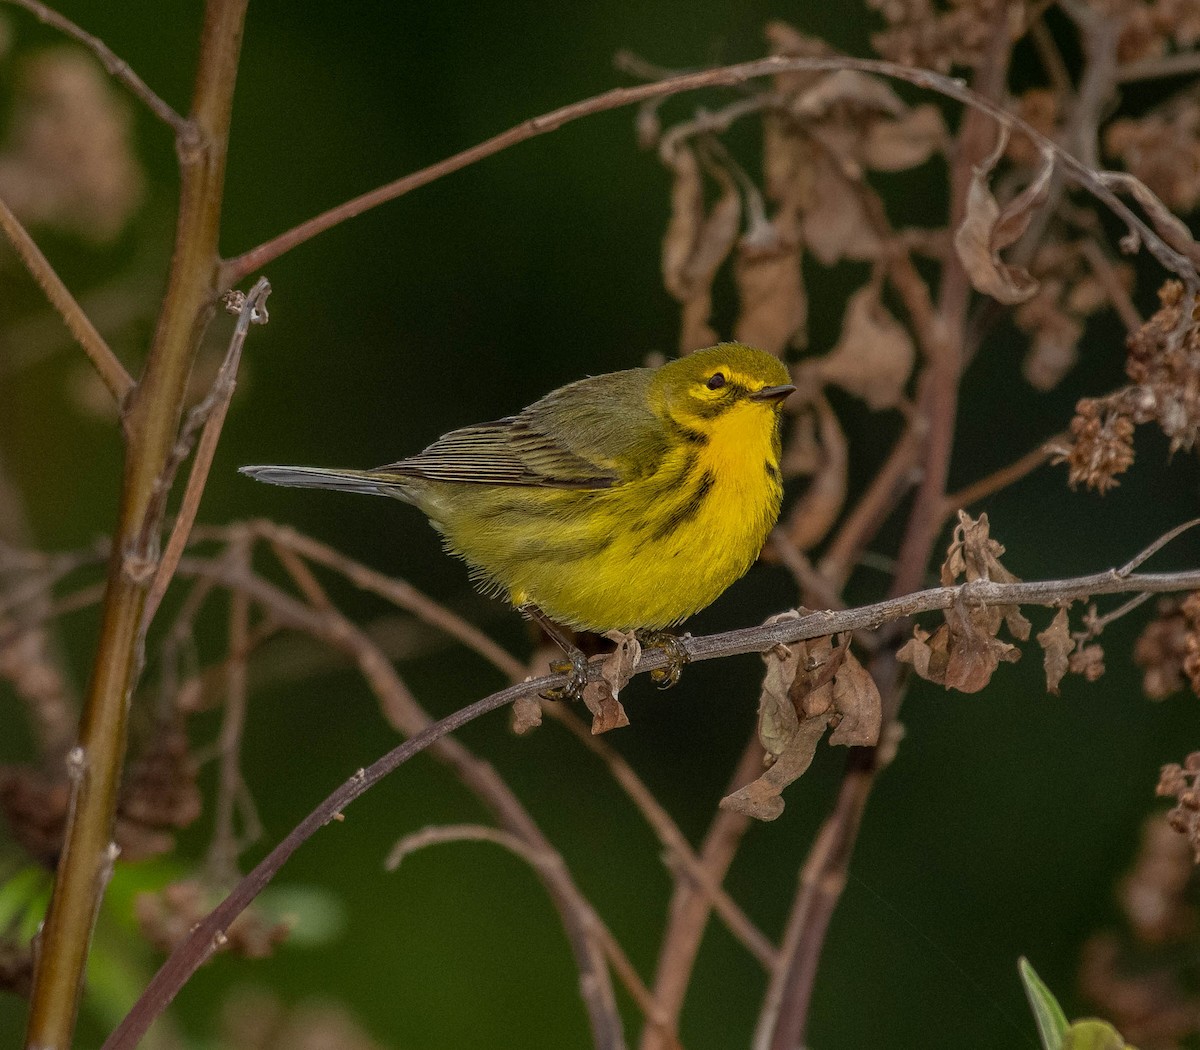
(372, 482)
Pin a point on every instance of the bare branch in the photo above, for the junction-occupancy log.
(1184, 64)
(203, 940)
(236, 269)
(540, 860)
(208, 417)
(1002, 478)
(111, 371)
(117, 67)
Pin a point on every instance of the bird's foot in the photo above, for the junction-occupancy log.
(676, 653)
(575, 667)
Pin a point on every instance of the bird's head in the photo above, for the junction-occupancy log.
(703, 386)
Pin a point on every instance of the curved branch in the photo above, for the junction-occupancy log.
(208, 933)
(117, 67)
(238, 268)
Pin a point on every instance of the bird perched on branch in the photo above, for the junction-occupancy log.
(620, 502)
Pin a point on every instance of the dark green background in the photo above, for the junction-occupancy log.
(1007, 816)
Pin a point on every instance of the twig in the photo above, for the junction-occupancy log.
(223, 850)
(237, 269)
(785, 1019)
(1118, 294)
(202, 941)
(900, 471)
(783, 1015)
(1051, 56)
(1184, 64)
(689, 908)
(687, 866)
(540, 861)
(1096, 624)
(1002, 478)
(117, 67)
(151, 419)
(1167, 537)
(398, 592)
(406, 715)
(208, 417)
(403, 594)
(110, 370)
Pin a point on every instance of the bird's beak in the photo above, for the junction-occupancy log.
(773, 393)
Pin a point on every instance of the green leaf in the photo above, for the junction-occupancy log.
(1051, 1021)
(1093, 1035)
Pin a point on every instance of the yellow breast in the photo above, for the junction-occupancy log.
(650, 553)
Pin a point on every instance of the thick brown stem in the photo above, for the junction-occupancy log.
(152, 421)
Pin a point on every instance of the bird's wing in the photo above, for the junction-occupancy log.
(591, 434)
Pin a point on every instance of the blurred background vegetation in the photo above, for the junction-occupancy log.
(1007, 818)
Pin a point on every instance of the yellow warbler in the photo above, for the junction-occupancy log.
(619, 502)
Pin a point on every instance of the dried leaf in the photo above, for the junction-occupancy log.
(874, 356)
(1169, 227)
(964, 652)
(986, 229)
(974, 555)
(815, 512)
(856, 698)
(808, 687)
(683, 227)
(1057, 645)
(835, 225)
(787, 166)
(906, 142)
(600, 695)
(974, 652)
(861, 90)
(773, 304)
(696, 244)
(526, 715)
(760, 798)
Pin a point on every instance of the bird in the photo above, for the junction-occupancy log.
(622, 502)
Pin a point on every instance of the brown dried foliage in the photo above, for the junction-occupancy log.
(1168, 649)
(808, 688)
(1138, 974)
(166, 917)
(1180, 782)
(1163, 363)
(964, 652)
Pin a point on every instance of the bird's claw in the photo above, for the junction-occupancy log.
(677, 656)
(575, 667)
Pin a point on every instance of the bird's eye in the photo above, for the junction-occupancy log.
(716, 381)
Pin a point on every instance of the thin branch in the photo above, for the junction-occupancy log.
(1184, 64)
(1167, 537)
(204, 938)
(151, 419)
(223, 850)
(541, 861)
(1002, 478)
(111, 371)
(687, 866)
(117, 67)
(287, 540)
(403, 712)
(208, 417)
(238, 268)
(688, 911)
(1118, 295)
(398, 592)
